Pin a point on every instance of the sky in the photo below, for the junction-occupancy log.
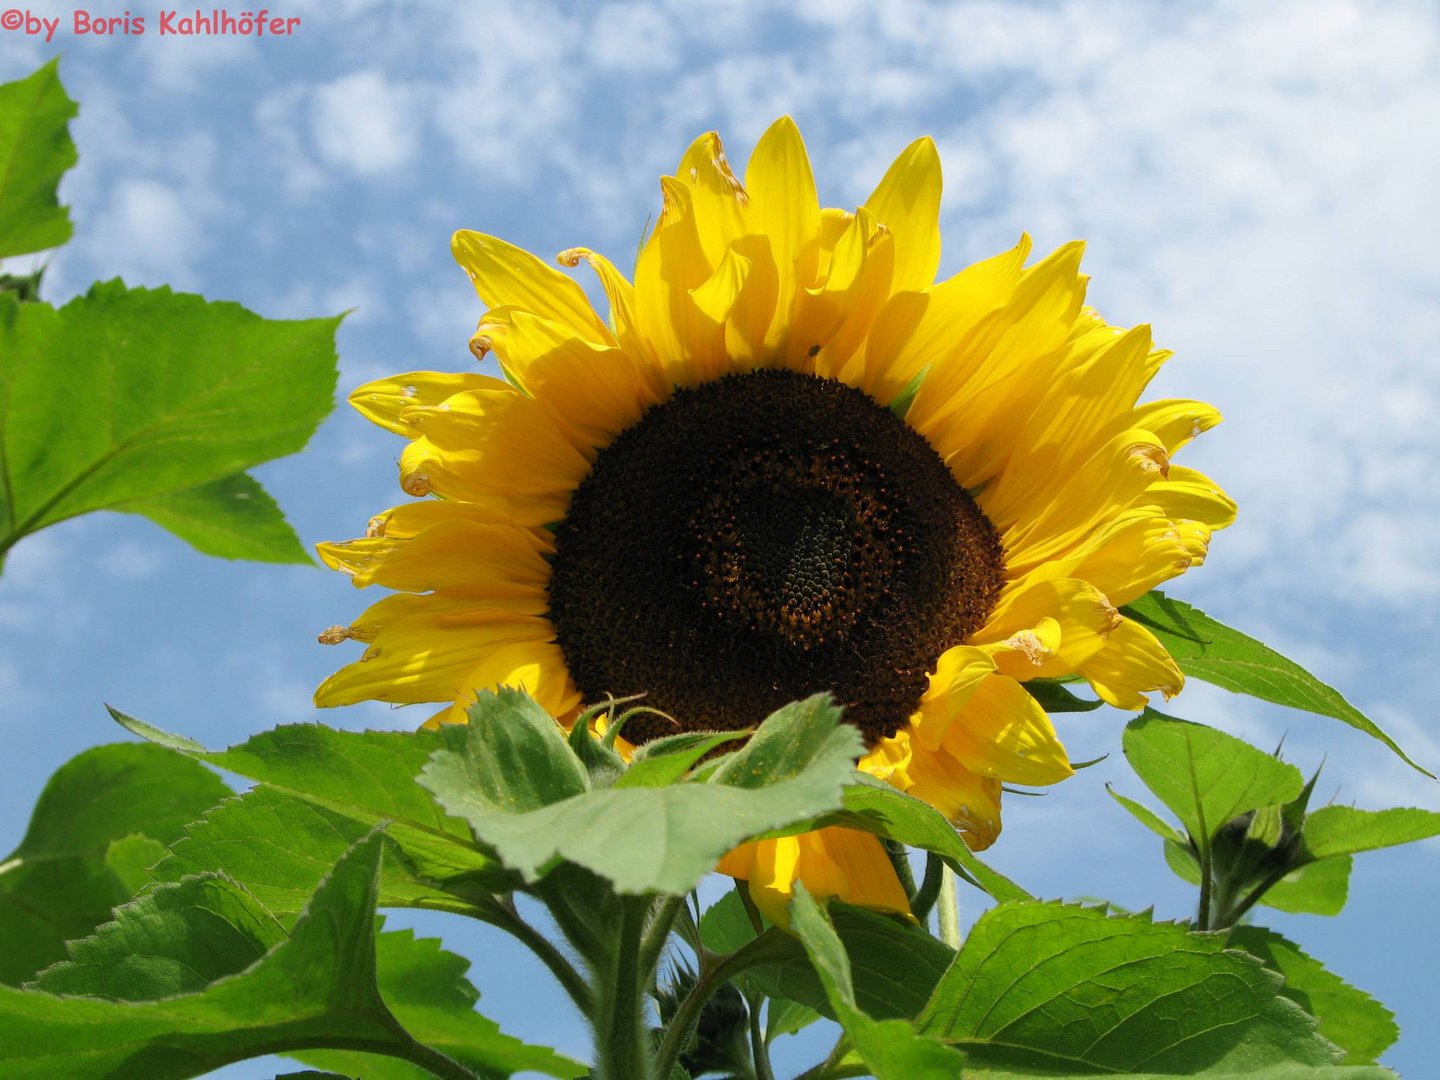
(1255, 181)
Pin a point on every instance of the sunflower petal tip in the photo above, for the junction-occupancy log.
(333, 635)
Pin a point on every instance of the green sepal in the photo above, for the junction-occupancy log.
(666, 761)
(1053, 697)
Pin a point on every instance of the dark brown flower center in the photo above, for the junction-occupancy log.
(760, 538)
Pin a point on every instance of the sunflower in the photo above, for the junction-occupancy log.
(789, 461)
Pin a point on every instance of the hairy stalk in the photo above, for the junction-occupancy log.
(900, 860)
(924, 900)
(622, 1044)
(666, 911)
(426, 1057)
(759, 1052)
(947, 910)
(502, 913)
(1207, 872)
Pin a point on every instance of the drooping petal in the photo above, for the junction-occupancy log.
(507, 276)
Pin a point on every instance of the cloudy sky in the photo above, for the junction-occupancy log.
(1256, 181)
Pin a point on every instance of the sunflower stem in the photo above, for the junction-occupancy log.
(622, 1043)
(923, 902)
(759, 1052)
(1207, 873)
(900, 860)
(947, 910)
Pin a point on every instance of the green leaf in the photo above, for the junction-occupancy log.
(324, 781)
(162, 393)
(895, 965)
(1204, 776)
(891, 1048)
(1214, 652)
(1073, 989)
(643, 839)
(1345, 830)
(1318, 888)
(1182, 860)
(64, 878)
(785, 1017)
(176, 939)
(876, 807)
(1147, 817)
(1350, 1018)
(130, 859)
(527, 764)
(427, 989)
(317, 986)
(281, 847)
(233, 518)
(35, 151)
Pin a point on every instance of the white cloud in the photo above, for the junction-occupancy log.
(148, 233)
(364, 122)
(131, 561)
(634, 38)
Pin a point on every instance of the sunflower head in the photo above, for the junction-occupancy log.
(788, 461)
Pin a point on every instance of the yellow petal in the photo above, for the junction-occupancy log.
(907, 202)
(720, 200)
(970, 801)
(970, 406)
(624, 323)
(1132, 662)
(1188, 495)
(382, 401)
(1097, 491)
(785, 207)
(958, 672)
(598, 390)
(1002, 733)
(1130, 555)
(1082, 614)
(738, 301)
(453, 555)
(507, 276)
(929, 328)
(434, 666)
(672, 264)
(832, 863)
(526, 497)
(842, 356)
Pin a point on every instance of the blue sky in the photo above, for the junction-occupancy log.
(1256, 181)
